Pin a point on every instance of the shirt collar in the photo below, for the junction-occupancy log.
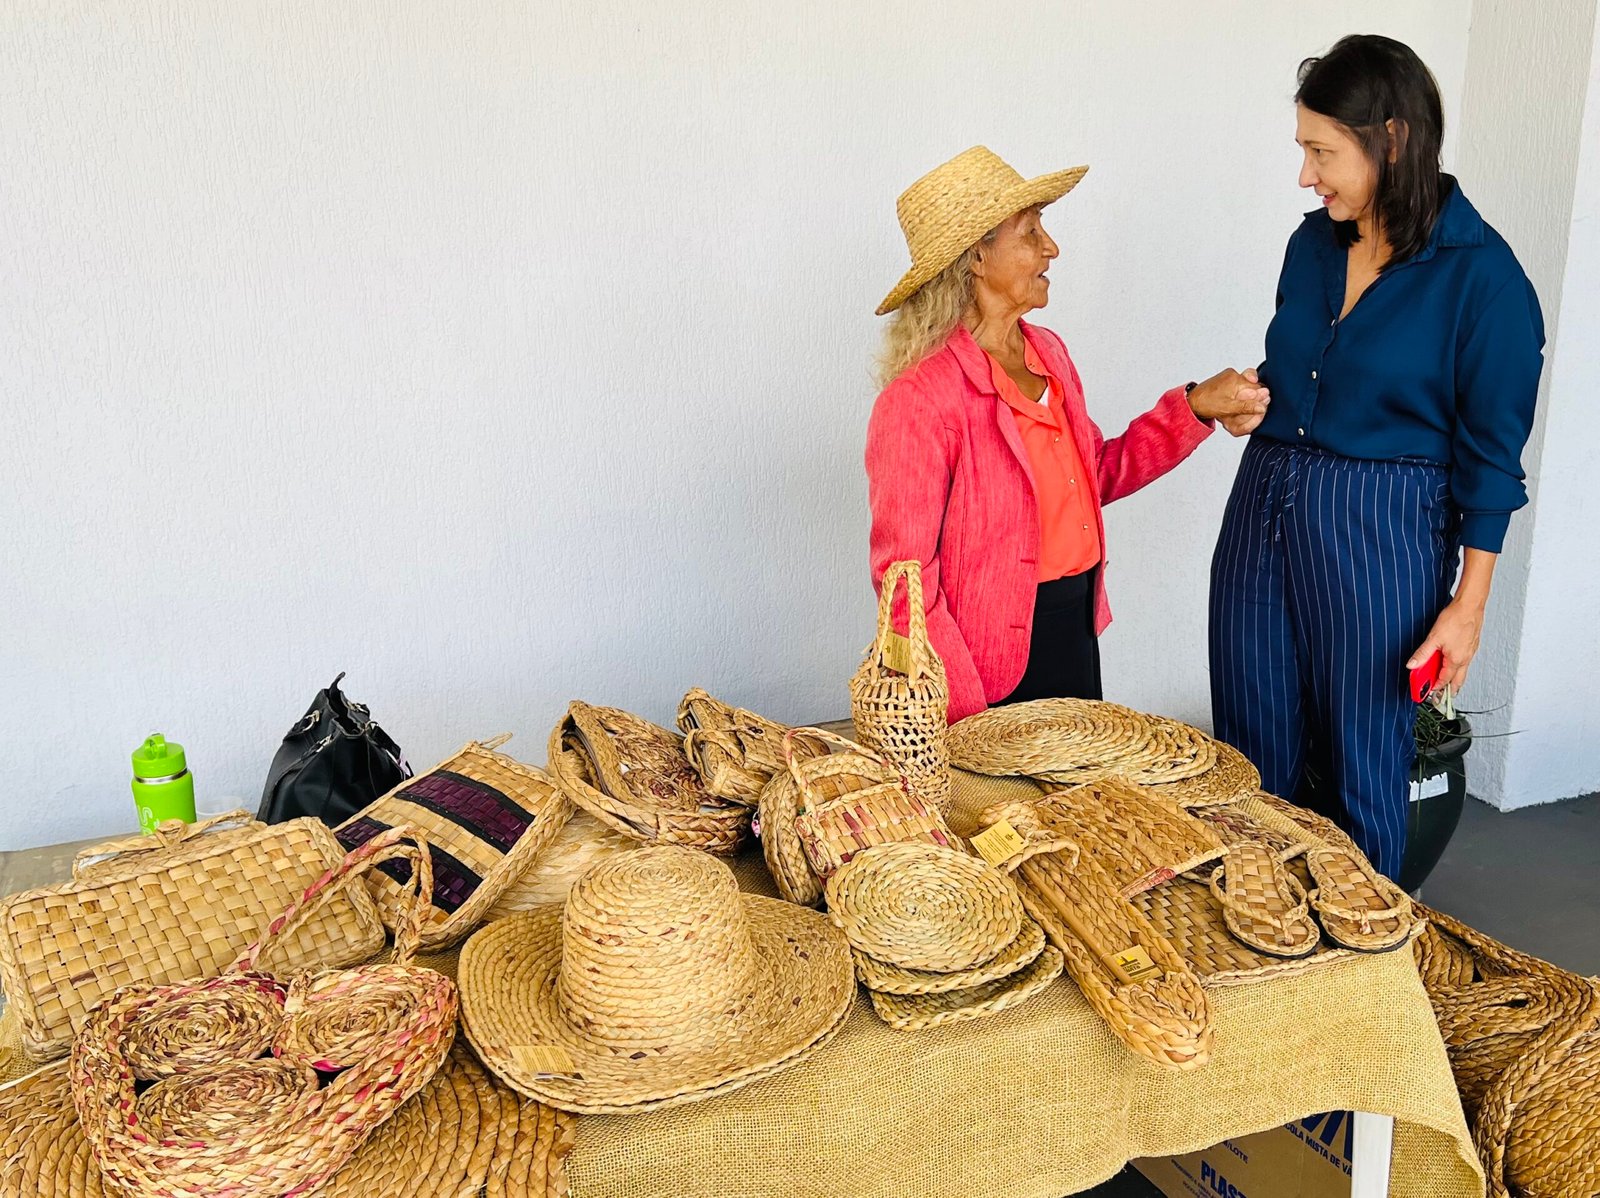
(976, 364)
(1458, 223)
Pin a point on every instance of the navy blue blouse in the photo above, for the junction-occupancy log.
(1439, 360)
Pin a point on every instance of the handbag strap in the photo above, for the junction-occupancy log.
(916, 618)
(168, 834)
(400, 843)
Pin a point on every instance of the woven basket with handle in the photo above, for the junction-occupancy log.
(240, 1085)
(179, 904)
(850, 800)
(899, 698)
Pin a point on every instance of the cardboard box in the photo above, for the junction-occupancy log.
(1308, 1159)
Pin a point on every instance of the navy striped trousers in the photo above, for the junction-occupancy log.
(1328, 573)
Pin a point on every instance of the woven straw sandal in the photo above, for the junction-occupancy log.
(1262, 904)
(1133, 977)
(1359, 907)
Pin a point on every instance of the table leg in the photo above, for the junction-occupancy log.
(1371, 1150)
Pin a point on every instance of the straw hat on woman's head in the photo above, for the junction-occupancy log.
(947, 210)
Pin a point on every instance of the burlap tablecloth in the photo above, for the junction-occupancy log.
(1042, 1101)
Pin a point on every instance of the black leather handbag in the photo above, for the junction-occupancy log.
(332, 764)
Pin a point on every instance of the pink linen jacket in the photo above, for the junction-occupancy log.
(951, 487)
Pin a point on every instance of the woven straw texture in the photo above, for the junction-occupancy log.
(175, 906)
(486, 817)
(924, 907)
(1359, 907)
(896, 979)
(1524, 1041)
(917, 1012)
(463, 1135)
(659, 980)
(780, 844)
(582, 842)
(900, 709)
(1139, 839)
(1232, 777)
(1262, 904)
(946, 211)
(219, 1116)
(880, 1114)
(633, 777)
(734, 751)
(1235, 826)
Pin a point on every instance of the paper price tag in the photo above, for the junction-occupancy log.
(897, 653)
(545, 1060)
(1136, 963)
(998, 842)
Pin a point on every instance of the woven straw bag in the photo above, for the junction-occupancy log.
(179, 904)
(216, 1087)
(734, 751)
(632, 776)
(899, 699)
(838, 816)
(485, 817)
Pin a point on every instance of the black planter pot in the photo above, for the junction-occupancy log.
(1438, 794)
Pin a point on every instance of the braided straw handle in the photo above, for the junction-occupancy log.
(402, 842)
(916, 619)
(832, 739)
(168, 834)
(493, 743)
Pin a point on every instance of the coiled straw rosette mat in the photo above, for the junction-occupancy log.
(463, 1135)
(943, 931)
(1132, 976)
(633, 777)
(658, 983)
(215, 1087)
(1071, 742)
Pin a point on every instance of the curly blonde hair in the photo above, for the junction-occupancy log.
(924, 322)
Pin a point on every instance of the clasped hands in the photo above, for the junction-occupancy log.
(1236, 401)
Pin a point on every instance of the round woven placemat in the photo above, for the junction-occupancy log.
(914, 1012)
(1071, 740)
(896, 979)
(924, 906)
(1232, 777)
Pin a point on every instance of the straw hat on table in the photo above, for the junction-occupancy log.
(947, 210)
(657, 983)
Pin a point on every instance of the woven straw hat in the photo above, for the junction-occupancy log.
(947, 210)
(658, 983)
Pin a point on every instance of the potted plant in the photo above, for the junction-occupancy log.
(1438, 791)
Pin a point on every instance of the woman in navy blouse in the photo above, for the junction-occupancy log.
(1402, 364)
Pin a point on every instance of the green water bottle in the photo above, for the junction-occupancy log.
(163, 787)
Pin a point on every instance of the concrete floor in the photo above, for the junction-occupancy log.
(1530, 878)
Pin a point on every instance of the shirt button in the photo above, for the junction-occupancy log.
(1313, 374)
(1302, 432)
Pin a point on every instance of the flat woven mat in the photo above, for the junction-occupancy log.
(1042, 1100)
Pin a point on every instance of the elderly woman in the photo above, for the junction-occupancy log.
(982, 462)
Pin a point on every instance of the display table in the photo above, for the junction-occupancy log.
(1040, 1101)
(1043, 1101)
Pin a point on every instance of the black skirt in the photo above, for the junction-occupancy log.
(1063, 652)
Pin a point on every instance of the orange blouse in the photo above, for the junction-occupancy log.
(1069, 541)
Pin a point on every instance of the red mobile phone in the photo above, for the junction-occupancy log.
(1426, 676)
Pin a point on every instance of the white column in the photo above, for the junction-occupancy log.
(1372, 1150)
(1528, 159)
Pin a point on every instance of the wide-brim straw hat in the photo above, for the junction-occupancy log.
(945, 212)
(657, 983)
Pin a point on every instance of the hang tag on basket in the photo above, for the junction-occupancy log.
(998, 841)
(1136, 963)
(545, 1060)
(897, 653)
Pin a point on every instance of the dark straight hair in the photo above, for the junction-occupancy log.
(1364, 82)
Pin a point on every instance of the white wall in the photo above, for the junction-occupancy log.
(1531, 162)
(503, 353)
(1555, 753)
